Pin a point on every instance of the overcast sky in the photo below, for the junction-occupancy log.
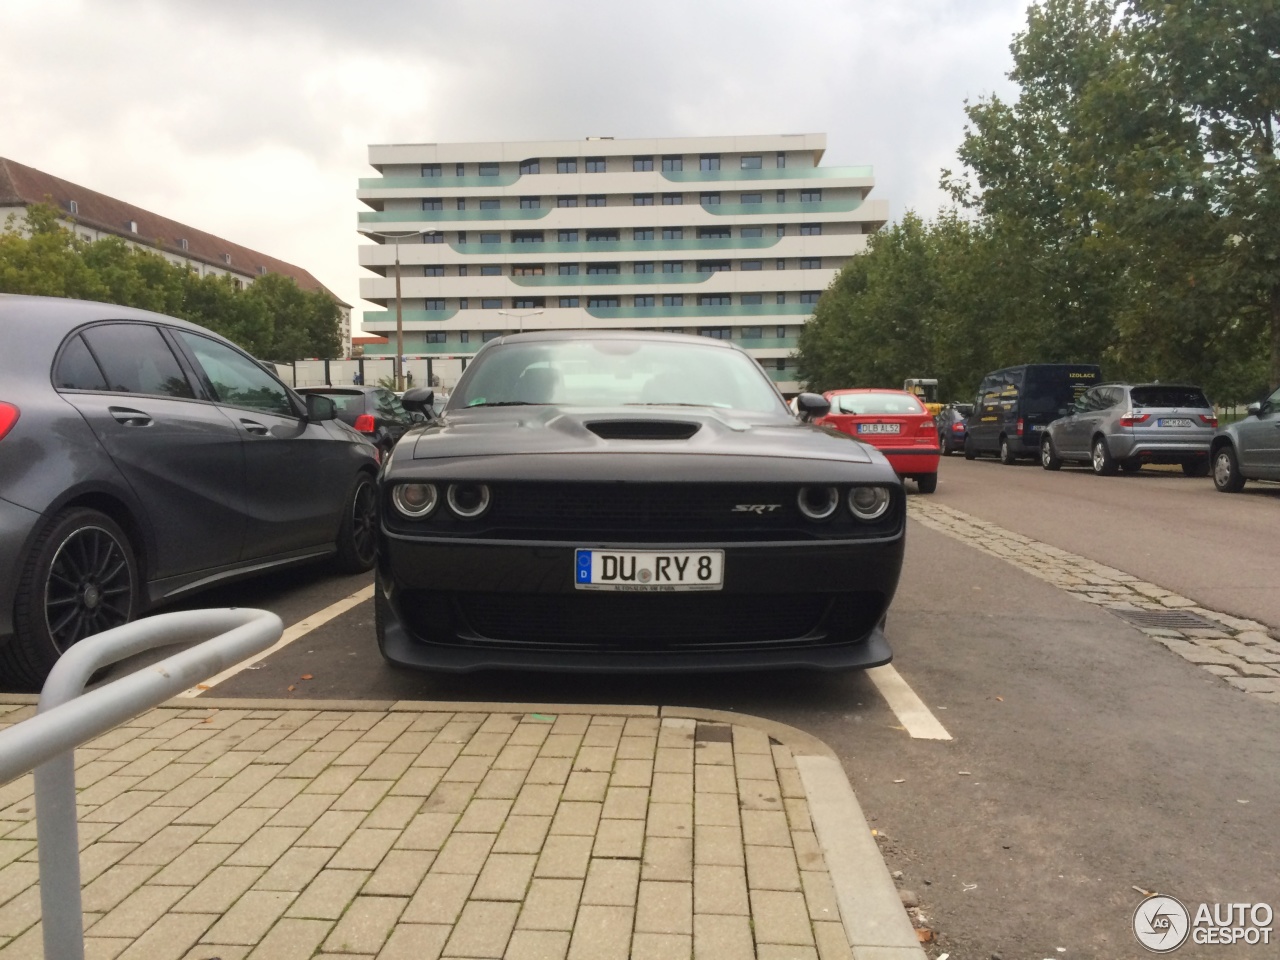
(251, 118)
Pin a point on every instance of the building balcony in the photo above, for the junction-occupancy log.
(407, 316)
(451, 216)
(769, 343)
(847, 205)
(617, 246)
(732, 310)
(612, 279)
(444, 183)
(769, 173)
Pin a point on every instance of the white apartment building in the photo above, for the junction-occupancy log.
(728, 237)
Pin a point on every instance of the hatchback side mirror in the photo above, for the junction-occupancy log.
(319, 408)
(812, 406)
(1253, 409)
(420, 400)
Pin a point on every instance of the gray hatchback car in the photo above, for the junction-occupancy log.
(143, 457)
(1120, 426)
(1248, 449)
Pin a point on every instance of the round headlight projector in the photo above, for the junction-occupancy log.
(868, 503)
(415, 499)
(818, 503)
(468, 500)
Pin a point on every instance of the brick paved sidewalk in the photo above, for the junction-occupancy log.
(404, 833)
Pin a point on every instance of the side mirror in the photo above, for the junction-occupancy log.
(812, 406)
(420, 400)
(319, 408)
(1253, 409)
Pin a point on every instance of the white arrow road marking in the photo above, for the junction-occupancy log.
(906, 706)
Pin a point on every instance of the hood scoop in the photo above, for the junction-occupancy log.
(643, 429)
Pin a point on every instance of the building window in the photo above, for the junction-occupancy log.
(488, 169)
(529, 303)
(748, 232)
(602, 301)
(752, 265)
(602, 269)
(749, 299)
(432, 203)
(672, 164)
(433, 271)
(782, 333)
(73, 206)
(673, 266)
(810, 296)
(462, 269)
(644, 301)
(462, 237)
(463, 304)
(569, 302)
(490, 238)
(595, 164)
(435, 336)
(595, 200)
(641, 164)
(526, 236)
(780, 196)
(709, 161)
(460, 170)
(714, 300)
(782, 298)
(601, 236)
(642, 200)
(529, 166)
(710, 199)
(493, 203)
(462, 203)
(673, 233)
(528, 270)
(435, 236)
(491, 303)
(566, 201)
(713, 266)
(181, 243)
(464, 336)
(488, 335)
(491, 270)
(780, 265)
(781, 161)
(642, 233)
(713, 233)
(810, 263)
(567, 236)
(432, 170)
(673, 299)
(716, 333)
(672, 199)
(752, 333)
(568, 269)
(645, 267)
(752, 198)
(752, 163)
(781, 231)
(566, 165)
(530, 203)
(435, 304)
(780, 363)
(810, 196)
(810, 229)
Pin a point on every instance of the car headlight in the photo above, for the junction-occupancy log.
(818, 503)
(415, 499)
(869, 503)
(468, 500)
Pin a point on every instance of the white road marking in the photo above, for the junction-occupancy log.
(296, 631)
(906, 706)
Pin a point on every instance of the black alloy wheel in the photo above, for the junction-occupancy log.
(357, 536)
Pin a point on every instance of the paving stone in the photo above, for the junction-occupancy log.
(417, 782)
(100, 896)
(291, 939)
(750, 740)
(249, 919)
(483, 930)
(328, 895)
(602, 735)
(505, 876)
(668, 858)
(332, 829)
(779, 917)
(765, 828)
(586, 785)
(362, 795)
(564, 857)
(755, 766)
(464, 853)
(772, 868)
(720, 889)
(601, 933)
(716, 754)
(574, 818)
(626, 803)
(393, 813)
(778, 951)
(820, 896)
(612, 883)
(672, 788)
(365, 927)
(798, 815)
(450, 797)
(719, 846)
(715, 810)
(415, 941)
(619, 839)
(670, 820)
(722, 937)
(760, 794)
(673, 759)
(529, 734)
(170, 938)
(637, 748)
(790, 784)
(468, 770)
(522, 834)
(550, 770)
(537, 945)
(334, 779)
(439, 899)
(427, 831)
(133, 915)
(537, 800)
(485, 745)
(664, 907)
(295, 869)
(399, 873)
(500, 785)
(1256, 684)
(808, 852)
(631, 773)
(832, 941)
(515, 756)
(550, 904)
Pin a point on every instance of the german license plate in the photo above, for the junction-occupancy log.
(648, 571)
(1174, 422)
(879, 427)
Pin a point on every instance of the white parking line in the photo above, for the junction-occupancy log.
(299, 629)
(906, 706)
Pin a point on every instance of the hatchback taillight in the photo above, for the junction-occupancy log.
(1209, 420)
(8, 417)
(1132, 419)
(957, 427)
(365, 423)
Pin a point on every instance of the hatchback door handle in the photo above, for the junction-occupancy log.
(130, 418)
(252, 426)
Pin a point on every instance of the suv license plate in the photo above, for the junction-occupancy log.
(648, 571)
(879, 428)
(1174, 422)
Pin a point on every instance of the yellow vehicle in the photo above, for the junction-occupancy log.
(927, 391)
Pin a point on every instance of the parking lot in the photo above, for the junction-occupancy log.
(1087, 761)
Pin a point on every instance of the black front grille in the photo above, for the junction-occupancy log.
(648, 623)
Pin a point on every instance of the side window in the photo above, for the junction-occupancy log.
(1115, 396)
(135, 359)
(77, 370)
(237, 380)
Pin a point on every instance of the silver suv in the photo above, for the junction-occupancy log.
(1249, 449)
(1121, 426)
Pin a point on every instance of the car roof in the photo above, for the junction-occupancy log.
(841, 392)
(342, 388)
(538, 336)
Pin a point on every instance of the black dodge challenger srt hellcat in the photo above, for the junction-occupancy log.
(632, 501)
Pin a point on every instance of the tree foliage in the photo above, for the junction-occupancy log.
(273, 318)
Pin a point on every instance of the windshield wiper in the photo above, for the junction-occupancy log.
(668, 405)
(504, 403)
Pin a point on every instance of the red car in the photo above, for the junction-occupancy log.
(895, 423)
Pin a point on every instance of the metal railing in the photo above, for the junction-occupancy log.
(68, 716)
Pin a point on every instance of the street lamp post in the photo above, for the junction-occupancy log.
(396, 236)
(521, 316)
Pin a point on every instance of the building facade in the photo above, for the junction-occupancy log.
(728, 237)
(92, 216)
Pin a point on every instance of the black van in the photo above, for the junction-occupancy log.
(1015, 404)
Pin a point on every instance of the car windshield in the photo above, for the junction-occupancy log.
(870, 404)
(1159, 396)
(615, 372)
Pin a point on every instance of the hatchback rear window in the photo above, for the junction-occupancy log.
(863, 404)
(1158, 396)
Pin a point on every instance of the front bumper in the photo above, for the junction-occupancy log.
(460, 607)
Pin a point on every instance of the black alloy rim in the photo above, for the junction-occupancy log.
(89, 588)
(364, 521)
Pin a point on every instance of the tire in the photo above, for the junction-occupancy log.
(80, 578)
(357, 541)
(970, 453)
(1049, 458)
(1104, 465)
(1131, 465)
(1196, 468)
(927, 482)
(1006, 452)
(1226, 470)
